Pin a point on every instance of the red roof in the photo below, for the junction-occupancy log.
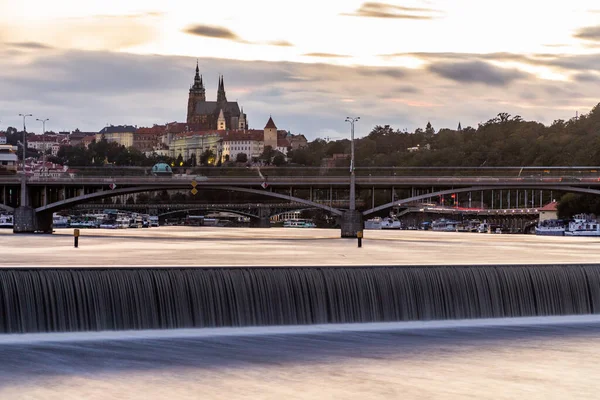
(234, 136)
(270, 124)
(549, 207)
(156, 129)
(283, 143)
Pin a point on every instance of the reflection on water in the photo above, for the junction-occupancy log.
(507, 362)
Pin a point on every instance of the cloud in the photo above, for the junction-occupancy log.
(326, 55)
(589, 33)
(281, 43)
(29, 46)
(390, 11)
(215, 32)
(87, 90)
(396, 73)
(219, 32)
(587, 77)
(476, 72)
(98, 32)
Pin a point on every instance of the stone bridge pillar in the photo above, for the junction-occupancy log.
(351, 223)
(27, 220)
(264, 218)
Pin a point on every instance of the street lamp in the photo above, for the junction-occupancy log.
(43, 121)
(352, 176)
(24, 138)
(24, 179)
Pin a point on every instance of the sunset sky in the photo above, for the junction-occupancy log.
(85, 64)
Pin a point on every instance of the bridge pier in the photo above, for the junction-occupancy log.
(264, 218)
(351, 222)
(27, 220)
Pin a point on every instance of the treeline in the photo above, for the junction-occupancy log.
(504, 140)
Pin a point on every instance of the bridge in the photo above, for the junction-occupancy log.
(35, 198)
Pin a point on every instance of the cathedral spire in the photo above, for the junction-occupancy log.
(221, 97)
(198, 85)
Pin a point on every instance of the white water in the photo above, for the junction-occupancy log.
(522, 358)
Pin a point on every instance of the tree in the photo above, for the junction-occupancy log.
(279, 159)
(241, 158)
(207, 157)
(267, 154)
(429, 131)
(192, 161)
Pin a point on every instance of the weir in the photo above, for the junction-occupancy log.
(90, 299)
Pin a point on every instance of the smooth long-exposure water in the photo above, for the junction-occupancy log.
(506, 361)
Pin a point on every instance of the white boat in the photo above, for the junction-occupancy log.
(373, 223)
(444, 225)
(153, 220)
(550, 227)
(6, 221)
(391, 223)
(60, 221)
(299, 223)
(583, 225)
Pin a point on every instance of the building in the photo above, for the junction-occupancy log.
(8, 158)
(76, 138)
(2, 138)
(43, 143)
(187, 144)
(247, 142)
(549, 211)
(147, 139)
(122, 134)
(213, 115)
(297, 141)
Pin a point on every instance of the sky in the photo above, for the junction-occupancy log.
(309, 64)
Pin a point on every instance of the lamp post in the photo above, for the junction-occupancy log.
(352, 120)
(24, 179)
(43, 121)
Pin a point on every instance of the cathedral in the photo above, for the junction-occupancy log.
(213, 115)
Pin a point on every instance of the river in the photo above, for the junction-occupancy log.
(532, 358)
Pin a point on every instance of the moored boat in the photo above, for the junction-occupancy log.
(6, 221)
(299, 223)
(583, 225)
(551, 227)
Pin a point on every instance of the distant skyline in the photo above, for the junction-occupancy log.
(308, 64)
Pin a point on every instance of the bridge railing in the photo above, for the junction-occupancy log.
(573, 174)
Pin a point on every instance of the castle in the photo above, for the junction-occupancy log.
(213, 115)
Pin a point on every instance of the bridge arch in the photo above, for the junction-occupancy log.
(477, 189)
(59, 205)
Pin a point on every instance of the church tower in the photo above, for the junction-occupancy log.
(242, 124)
(271, 134)
(221, 97)
(197, 95)
(221, 121)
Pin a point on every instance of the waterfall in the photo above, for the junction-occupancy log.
(92, 299)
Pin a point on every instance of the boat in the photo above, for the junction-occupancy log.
(299, 223)
(60, 221)
(468, 226)
(551, 227)
(6, 221)
(373, 223)
(583, 225)
(153, 220)
(391, 223)
(444, 225)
